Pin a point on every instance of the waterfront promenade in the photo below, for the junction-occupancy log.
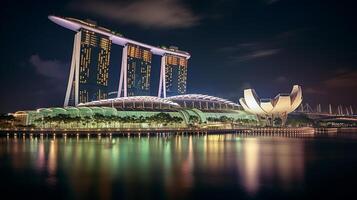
(177, 131)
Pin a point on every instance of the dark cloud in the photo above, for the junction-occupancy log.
(146, 13)
(271, 1)
(255, 54)
(342, 79)
(281, 79)
(338, 87)
(48, 68)
(345, 80)
(35, 82)
(314, 91)
(264, 48)
(248, 51)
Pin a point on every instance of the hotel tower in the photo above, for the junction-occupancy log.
(89, 73)
(94, 66)
(139, 70)
(175, 75)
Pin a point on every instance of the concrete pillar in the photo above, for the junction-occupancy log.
(74, 71)
(123, 81)
(162, 83)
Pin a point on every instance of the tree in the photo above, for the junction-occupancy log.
(299, 120)
(7, 120)
(193, 119)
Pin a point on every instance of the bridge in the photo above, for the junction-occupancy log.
(331, 113)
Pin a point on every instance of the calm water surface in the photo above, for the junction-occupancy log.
(179, 167)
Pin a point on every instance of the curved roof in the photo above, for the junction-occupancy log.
(296, 97)
(75, 25)
(87, 111)
(60, 110)
(141, 99)
(98, 110)
(281, 104)
(44, 110)
(253, 101)
(201, 97)
(244, 105)
(109, 111)
(74, 111)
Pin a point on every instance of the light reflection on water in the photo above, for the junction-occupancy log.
(171, 167)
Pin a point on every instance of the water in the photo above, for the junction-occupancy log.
(178, 167)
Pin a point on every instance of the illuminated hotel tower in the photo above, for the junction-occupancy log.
(175, 75)
(89, 74)
(88, 77)
(138, 71)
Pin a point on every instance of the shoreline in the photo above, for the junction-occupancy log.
(113, 131)
(300, 132)
(267, 131)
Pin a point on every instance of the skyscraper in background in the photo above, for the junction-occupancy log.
(175, 75)
(94, 66)
(139, 70)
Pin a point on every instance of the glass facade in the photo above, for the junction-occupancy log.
(175, 75)
(94, 66)
(139, 70)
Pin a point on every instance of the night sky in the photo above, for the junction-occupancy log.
(268, 45)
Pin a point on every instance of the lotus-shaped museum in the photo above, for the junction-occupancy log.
(279, 107)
